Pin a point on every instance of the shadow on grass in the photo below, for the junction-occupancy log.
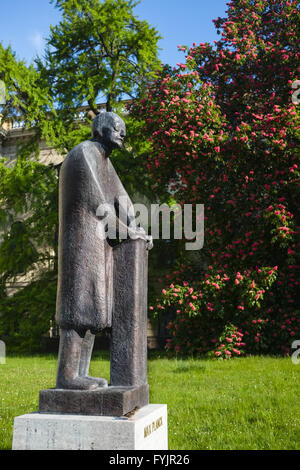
(182, 364)
(187, 368)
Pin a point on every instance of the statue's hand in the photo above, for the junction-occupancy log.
(139, 232)
(149, 241)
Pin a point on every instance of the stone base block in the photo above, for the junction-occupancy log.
(110, 401)
(145, 429)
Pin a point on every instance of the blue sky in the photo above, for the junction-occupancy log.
(25, 24)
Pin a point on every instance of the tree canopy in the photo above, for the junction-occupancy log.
(99, 48)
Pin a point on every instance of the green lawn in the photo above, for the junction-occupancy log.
(245, 403)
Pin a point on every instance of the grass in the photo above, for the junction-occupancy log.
(245, 403)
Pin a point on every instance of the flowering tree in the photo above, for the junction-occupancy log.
(225, 133)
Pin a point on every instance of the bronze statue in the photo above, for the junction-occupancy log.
(86, 291)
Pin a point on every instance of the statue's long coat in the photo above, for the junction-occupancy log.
(85, 262)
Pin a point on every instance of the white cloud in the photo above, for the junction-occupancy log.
(37, 41)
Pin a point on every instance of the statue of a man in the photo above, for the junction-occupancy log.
(85, 261)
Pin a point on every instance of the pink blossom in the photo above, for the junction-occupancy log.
(236, 351)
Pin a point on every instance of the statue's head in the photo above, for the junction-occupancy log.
(109, 129)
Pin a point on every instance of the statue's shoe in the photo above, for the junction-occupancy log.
(78, 383)
(102, 383)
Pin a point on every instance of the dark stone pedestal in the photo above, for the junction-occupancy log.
(128, 347)
(110, 401)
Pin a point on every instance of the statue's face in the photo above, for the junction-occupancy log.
(114, 133)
